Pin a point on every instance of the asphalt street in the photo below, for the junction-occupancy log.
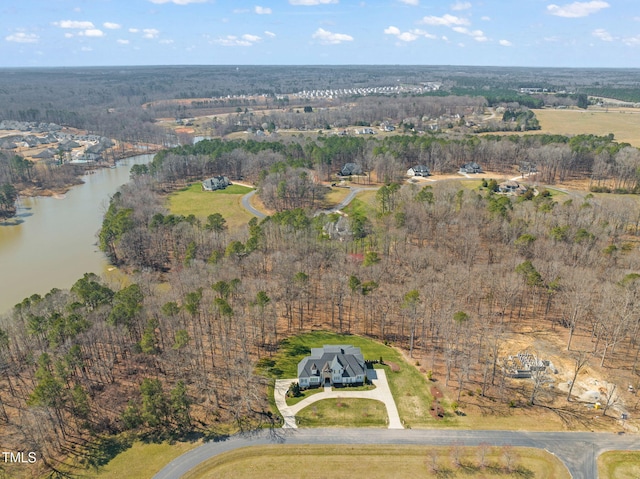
(577, 450)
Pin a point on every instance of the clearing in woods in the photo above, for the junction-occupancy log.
(193, 200)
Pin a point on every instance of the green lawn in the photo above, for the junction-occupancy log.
(410, 389)
(619, 465)
(334, 197)
(194, 201)
(364, 203)
(379, 462)
(141, 460)
(344, 413)
(303, 395)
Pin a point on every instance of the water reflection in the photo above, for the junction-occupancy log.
(52, 242)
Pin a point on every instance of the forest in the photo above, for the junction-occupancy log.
(446, 272)
(443, 271)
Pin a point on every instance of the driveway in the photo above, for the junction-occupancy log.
(381, 393)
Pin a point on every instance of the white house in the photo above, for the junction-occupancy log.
(332, 365)
(418, 170)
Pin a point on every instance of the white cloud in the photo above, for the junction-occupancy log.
(262, 10)
(445, 20)
(269, 34)
(21, 37)
(311, 2)
(92, 32)
(415, 3)
(111, 26)
(233, 41)
(477, 35)
(68, 35)
(577, 9)
(461, 6)
(409, 36)
(177, 2)
(74, 24)
(602, 34)
(245, 40)
(86, 49)
(505, 43)
(485, 18)
(166, 42)
(150, 33)
(123, 42)
(133, 30)
(328, 38)
(632, 41)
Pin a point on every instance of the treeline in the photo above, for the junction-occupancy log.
(631, 95)
(18, 173)
(557, 158)
(416, 112)
(446, 273)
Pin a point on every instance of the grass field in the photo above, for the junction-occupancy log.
(409, 388)
(619, 465)
(380, 462)
(344, 412)
(142, 460)
(364, 202)
(624, 124)
(193, 200)
(334, 197)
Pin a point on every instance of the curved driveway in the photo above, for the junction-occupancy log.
(246, 203)
(381, 393)
(577, 450)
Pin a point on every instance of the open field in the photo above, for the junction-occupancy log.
(142, 460)
(381, 462)
(619, 465)
(193, 200)
(623, 123)
(409, 388)
(344, 412)
(364, 203)
(335, 197)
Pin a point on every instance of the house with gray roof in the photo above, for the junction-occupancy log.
(215, 183)
(472, 167)
(332, 365)
(351, 169)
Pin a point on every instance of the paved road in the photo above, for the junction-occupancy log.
(381, 393)
(578, 450)
(246, 203)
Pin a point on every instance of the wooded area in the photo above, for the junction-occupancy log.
(445, 272)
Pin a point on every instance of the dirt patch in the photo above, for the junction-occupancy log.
(436, 393)
(393, 366)
(436, 410)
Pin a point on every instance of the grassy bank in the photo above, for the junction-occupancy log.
(381, 462)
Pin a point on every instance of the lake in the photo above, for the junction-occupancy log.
(52, 242)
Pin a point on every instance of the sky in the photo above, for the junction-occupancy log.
(551, 33)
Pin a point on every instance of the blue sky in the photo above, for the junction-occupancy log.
(592, 33)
